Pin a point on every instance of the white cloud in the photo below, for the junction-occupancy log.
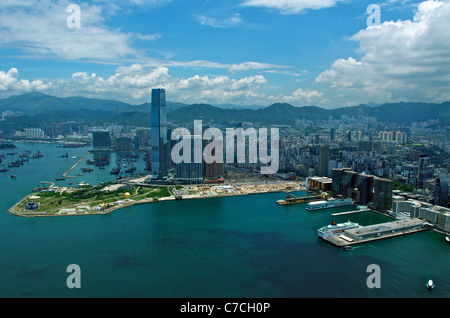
(227, 22)
(10, 82)
(40, 28)
(403, 60)
(301, 97)
(292, 6)
(133, 84)
(245, 66)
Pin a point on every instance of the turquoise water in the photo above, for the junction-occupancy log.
(244, 246)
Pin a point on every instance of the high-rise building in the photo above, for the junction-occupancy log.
(191, 172)
(332, 134)
(124, 144)
(160, 145)
(382, 194)
(101, 140)
(324, 159)
(8, 130)
(212, 170)
(441, 191)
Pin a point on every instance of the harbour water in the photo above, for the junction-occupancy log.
(243, 246)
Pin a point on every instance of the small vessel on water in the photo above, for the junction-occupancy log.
(13, 177)
(347, 248)
(292, 199)
(447, 239)
(331, 203)
(430, 284)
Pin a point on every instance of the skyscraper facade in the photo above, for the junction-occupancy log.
(160, 145)
(324, 159)
(441, 191)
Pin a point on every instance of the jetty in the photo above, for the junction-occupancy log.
(351, 212)
(76, 164)
(363, 234)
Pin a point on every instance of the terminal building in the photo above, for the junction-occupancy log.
(436, 215)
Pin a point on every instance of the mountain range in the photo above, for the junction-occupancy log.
(38, 107)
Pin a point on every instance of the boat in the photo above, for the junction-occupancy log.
(347, 248)
(87, 169)
(334, 228)
(447, 239)
(430, 285)
(292, 199)
(131, 170)
(115, 170)
(331, 203)
(13, 177)
(60, 179)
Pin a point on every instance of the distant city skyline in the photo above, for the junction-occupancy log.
(243, 52)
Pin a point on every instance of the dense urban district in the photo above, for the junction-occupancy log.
(394, 166)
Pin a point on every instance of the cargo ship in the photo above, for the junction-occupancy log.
(333, 229)
(331, 203)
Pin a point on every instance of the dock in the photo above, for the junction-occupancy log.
(351, 212)
(363, 234)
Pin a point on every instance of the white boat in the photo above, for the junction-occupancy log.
(447, 239)
(331, 203)
(334, 229)
(430, 285)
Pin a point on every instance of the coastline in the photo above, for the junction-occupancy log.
(79, 208)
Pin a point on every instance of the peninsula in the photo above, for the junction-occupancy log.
(108, 197)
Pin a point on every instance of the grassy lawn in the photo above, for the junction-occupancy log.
(91, 196)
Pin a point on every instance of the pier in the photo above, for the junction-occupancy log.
(363, 234)
(65, 173)
(351, 212)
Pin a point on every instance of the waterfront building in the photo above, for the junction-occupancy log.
(32, 206)
(34, 133)
(190, 172)
(382, 194)
(159, 138)
(101, 140)
(441, 191)
(8, 130)
(212, 170)
(319, 183)
(124, 144)
(142, 136)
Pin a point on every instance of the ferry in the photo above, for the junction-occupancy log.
(292, 199)
(331, 203)
(333, 229)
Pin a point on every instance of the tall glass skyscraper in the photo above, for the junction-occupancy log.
(160, 145)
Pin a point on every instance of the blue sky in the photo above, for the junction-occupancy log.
(244, 52)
